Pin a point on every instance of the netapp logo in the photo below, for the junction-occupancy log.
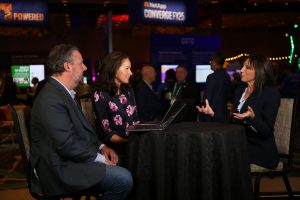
(160, 6)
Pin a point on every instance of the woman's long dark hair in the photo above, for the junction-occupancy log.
(263, 72)
(107, 72)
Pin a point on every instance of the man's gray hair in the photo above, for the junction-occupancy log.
(58, 55)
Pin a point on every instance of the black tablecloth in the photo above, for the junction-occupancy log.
(190, 161)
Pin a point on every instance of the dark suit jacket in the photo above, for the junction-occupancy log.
(63, 144)
(217, 92)
(260, 130)
(148, 104)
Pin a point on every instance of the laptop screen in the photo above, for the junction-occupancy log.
(173, 112)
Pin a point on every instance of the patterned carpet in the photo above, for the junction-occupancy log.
(11, 167)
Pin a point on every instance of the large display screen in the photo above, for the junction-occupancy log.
(23, 74)
(164, 69)
(202, 71)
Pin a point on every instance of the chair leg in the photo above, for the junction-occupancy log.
(257, 186)
(8, 176)
(288, 186)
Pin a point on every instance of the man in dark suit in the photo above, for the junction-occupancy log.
(148, 103)
(186, 90)
(65, 154)
(217, 89)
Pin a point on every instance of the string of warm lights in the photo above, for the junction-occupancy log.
(245, 54)
(236, 57)
(280, 58)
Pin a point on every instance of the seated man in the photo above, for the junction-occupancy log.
(66, 156)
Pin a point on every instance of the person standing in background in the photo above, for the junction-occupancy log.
(164, 90)
(187, 90)
(40, 86)
(9, 90)
(148, 103)
(31, 93)
(217, 89)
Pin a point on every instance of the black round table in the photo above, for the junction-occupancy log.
(190, 160)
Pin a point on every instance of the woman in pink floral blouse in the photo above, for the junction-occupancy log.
(113, 100)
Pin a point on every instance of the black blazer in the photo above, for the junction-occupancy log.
(260, 130)
(148, 103)
(63, 144)
(217, 90)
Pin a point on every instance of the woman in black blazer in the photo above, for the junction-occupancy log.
(256, 105)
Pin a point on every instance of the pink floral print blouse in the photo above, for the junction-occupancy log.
(113, 114)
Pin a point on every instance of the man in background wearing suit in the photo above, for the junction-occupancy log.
(148, 103)
(187, 90)
(66, 155)
(217, 89)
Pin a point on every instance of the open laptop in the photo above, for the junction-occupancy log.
(177, 107)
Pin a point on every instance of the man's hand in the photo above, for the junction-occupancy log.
(111, 158)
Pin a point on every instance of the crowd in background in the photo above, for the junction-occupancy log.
(154, 103)
(287, 80)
